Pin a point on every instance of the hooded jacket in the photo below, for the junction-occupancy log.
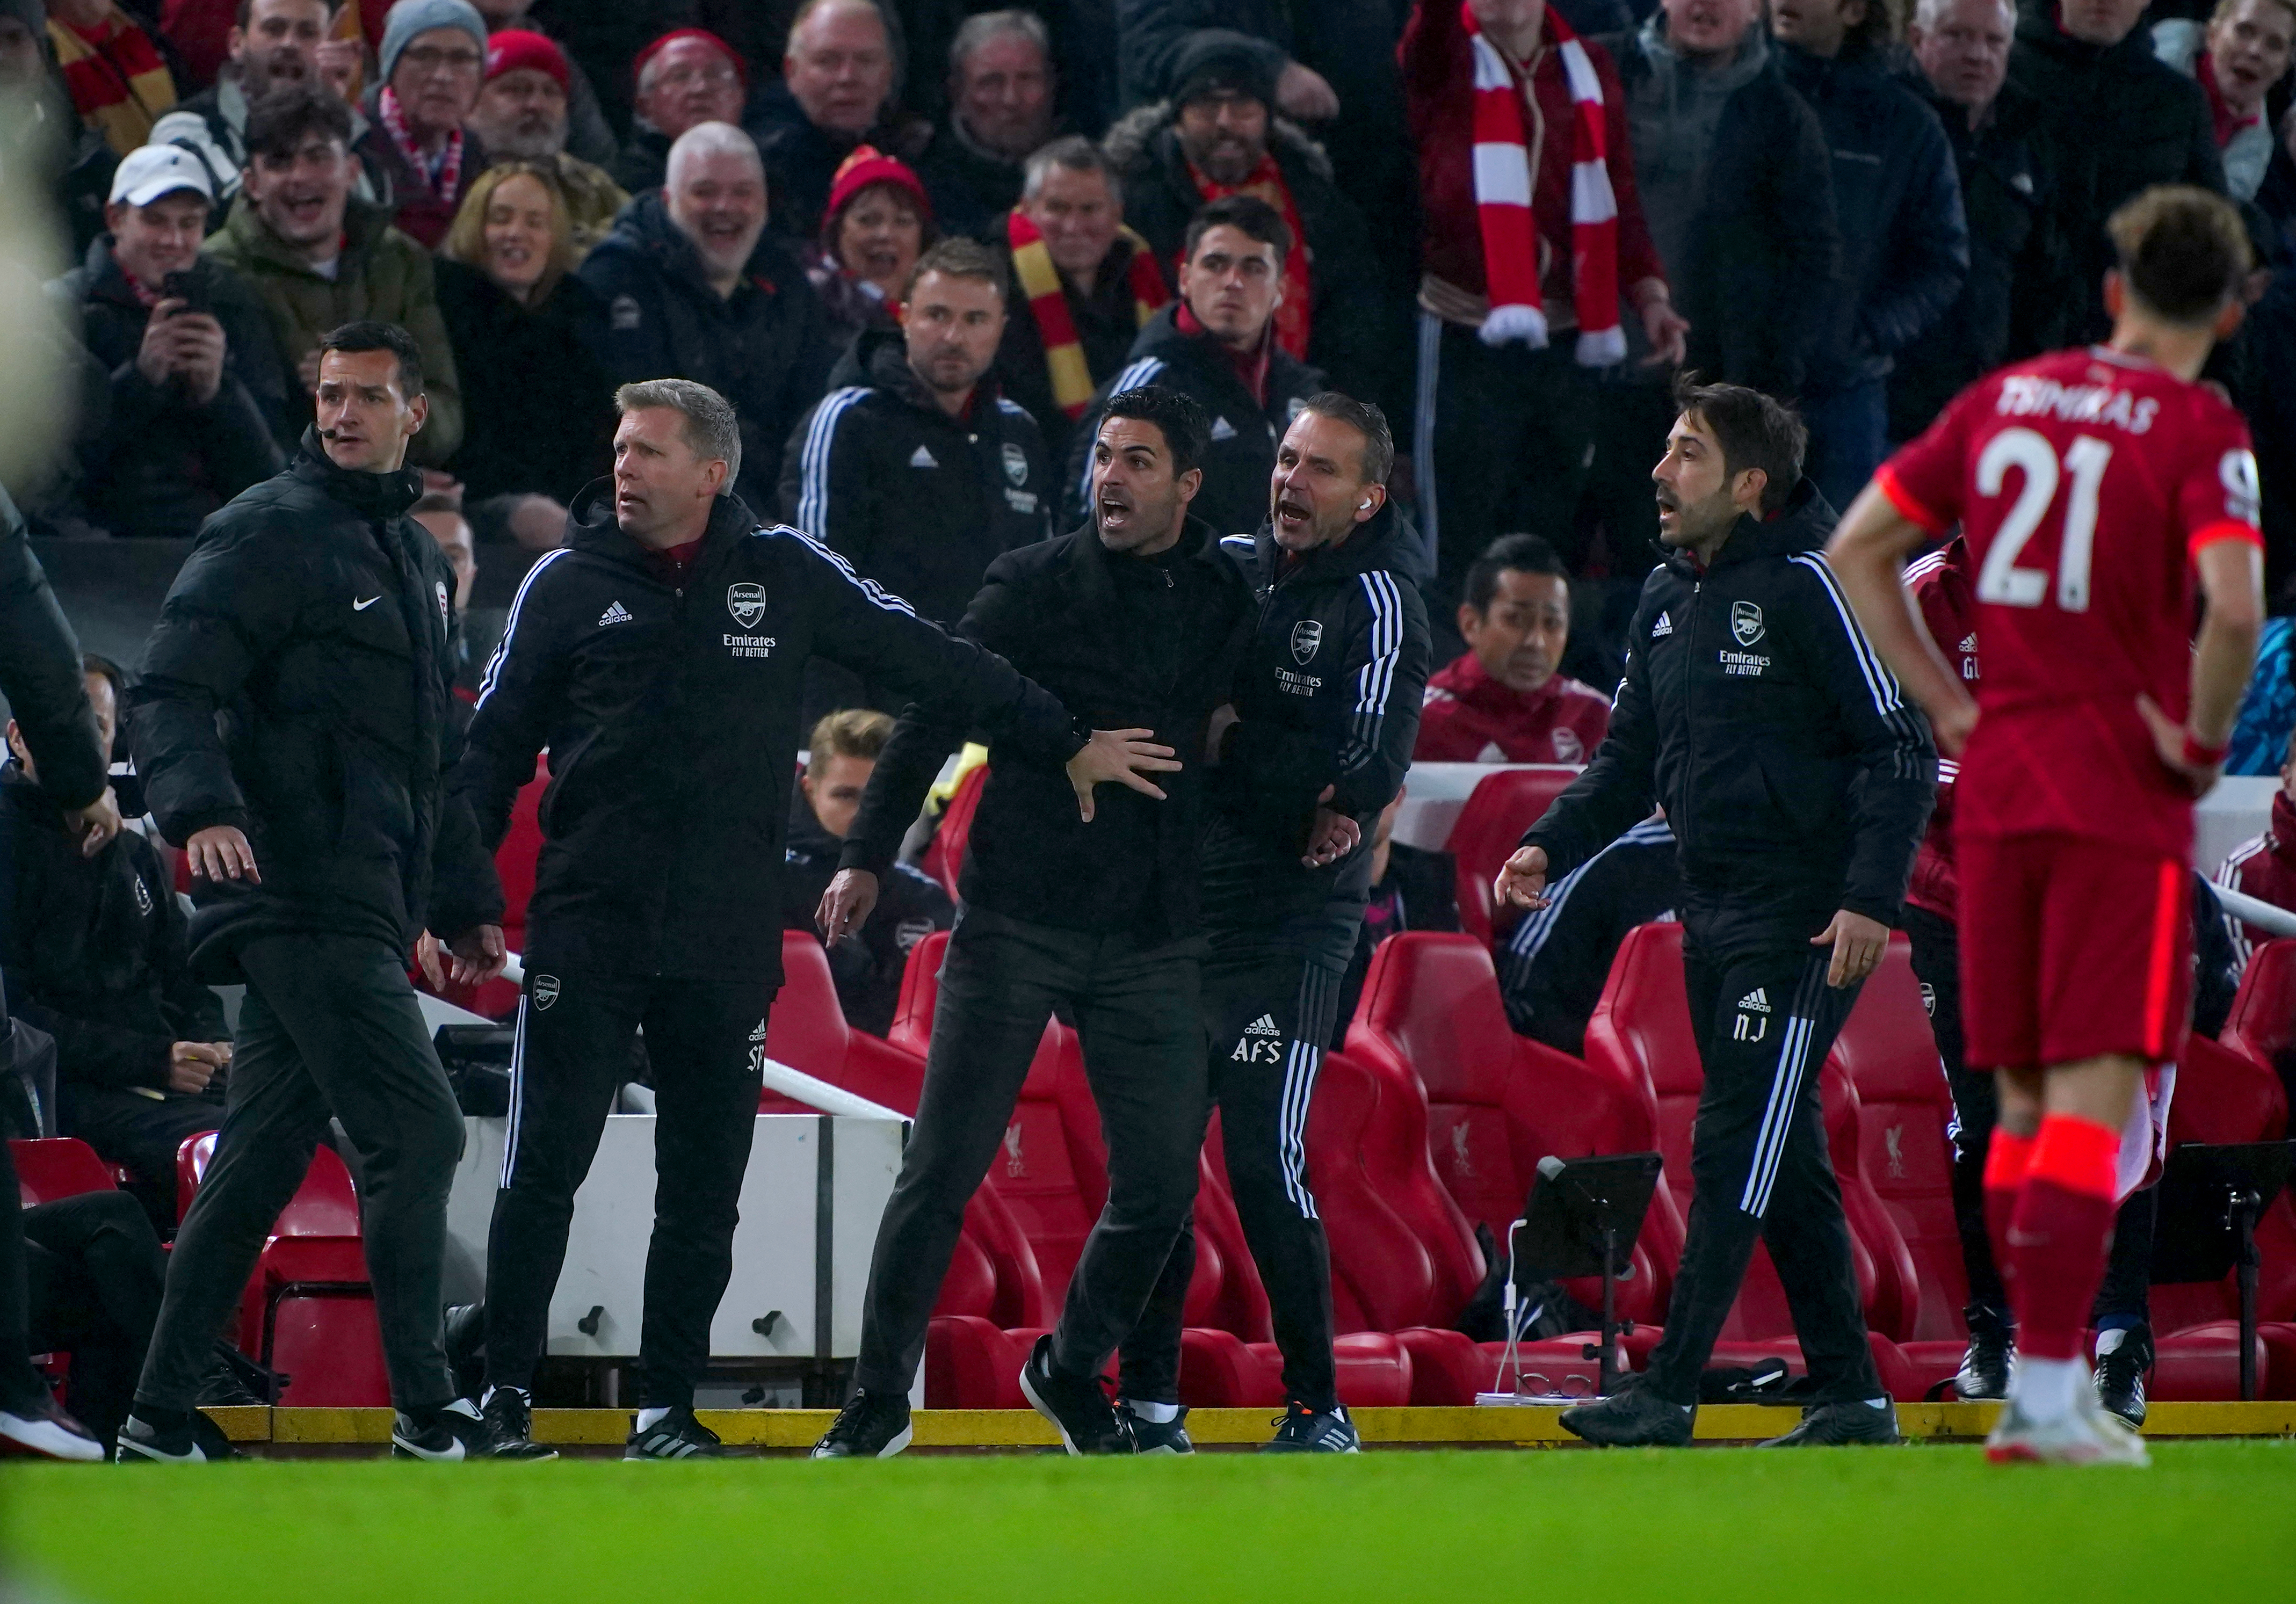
(1327, 694)
(669, 711)
(1245, 432)
(762, 348)
(1794, 773)
(296, 688)
(381, 274)
(1471, 717)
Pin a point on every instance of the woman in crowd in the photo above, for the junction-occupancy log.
(878, 223)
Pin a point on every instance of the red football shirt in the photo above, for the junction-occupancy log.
(1944, 589)
(2085, 481)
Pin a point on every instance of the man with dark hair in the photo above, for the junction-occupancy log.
(292, 729)
(915, 468)
(1505, 699)
(867, 964)
(1311, 748)
(93, 953)
(1217, 344)
(273, 44)
(1218, 135)
(650, 911)
(1088, 903)
(320, 258)
(1796, 779)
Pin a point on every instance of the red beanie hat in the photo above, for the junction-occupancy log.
(741, 67)
(868, 165)
(514, 49)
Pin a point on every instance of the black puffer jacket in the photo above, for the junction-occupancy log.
(1793, 771)
(296, 688)
(670, 712)
(1328, 694)
(39, 671)
(1245, 433)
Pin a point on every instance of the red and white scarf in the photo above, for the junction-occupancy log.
(1503, 187)
(443, 174)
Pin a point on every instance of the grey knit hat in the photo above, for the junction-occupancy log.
(409, 18)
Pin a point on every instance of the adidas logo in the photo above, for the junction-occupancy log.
(1664, 626)
(1264, 1025)
(923, 459)
(1222, 429)
(615, 614)
(758, 1034)
(1969, 641)
(1754, 1001)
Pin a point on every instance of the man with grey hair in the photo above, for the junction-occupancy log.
(694, 287)
(670, 720)
(2013, 303)
(1001, 84)
(1084, 286)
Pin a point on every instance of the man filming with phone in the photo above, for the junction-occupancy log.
(197, 397)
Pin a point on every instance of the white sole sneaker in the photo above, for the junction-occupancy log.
(41, 1438)
(1028, 1392)
(2086, 1435)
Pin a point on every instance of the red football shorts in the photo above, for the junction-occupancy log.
(2072, 948)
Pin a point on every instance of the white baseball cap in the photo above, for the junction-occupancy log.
(153, 170)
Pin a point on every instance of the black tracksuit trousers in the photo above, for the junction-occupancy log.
(1136, 1013)
(705, 1042)
(96, 1273)
(1765, 1020)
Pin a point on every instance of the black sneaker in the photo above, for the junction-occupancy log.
(1984, 1374)
(1633, 1417)
(41, 1429)
(1077, 1406)
(2120, 1375)
(1859, 1421)
(871, 1425)
(676, 1436)
(455, 1432)
(510, 1427)
(1161, 1436)
(173, 1443)
(225, 1386)
(1304, 1430)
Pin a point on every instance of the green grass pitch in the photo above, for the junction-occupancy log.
(2211, 1520)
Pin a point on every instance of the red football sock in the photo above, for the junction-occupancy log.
(2007, 1158)
(2058, 1237)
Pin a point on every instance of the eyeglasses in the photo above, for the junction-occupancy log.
(429, 58)
(716, 75)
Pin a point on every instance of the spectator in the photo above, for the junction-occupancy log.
(915, 468)
(119, 84)
(878, 223)
(94, 1271)
(686, 77)
(441, 513)
(43, 142)
(1001, 85)
(866, 964)
(2238, 57)
(2012, 303)
(93, 951)
(839, 71)
(2120, 121)
(2264, 866)
(1217, 136)
(1905, 240)
(610, 42)
(274, 43)
(318, 258)
(1217, 344)
(1086, 286)
(1554, 964)
(2269, 341)
(433, 59)
(521, 116)
(1411, 890)
(694, 290)
(1505, 699)
(527, 334)
(1738, 193)
(1514, 319)
(198, 397)
(588, 137)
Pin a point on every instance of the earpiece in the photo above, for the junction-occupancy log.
(1363, 506)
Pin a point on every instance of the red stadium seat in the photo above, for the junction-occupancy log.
(807, 1030)
(2262, 1025)
(943, 858)
(1504, 804)
(57, 1167)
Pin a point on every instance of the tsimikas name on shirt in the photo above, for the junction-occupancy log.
(2028, 395)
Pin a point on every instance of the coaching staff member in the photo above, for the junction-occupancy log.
(292, 729)
(1325, 714)
(659, 655)
(1134, 621)
(1796, 779)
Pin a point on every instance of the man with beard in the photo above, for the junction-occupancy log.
(1133, 620)
(1312, 748)
(274, 43)
(1796, 779)
(694, 290)
(588, 133)
(521, 116)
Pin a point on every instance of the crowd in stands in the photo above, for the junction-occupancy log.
(919, 244)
